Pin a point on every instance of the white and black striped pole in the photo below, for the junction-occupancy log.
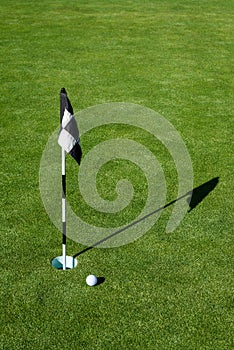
(63, 106)
(70, 143)
(64, 236)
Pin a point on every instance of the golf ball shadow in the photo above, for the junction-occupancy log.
(100, 280)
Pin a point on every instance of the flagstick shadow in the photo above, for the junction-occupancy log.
(195, 196)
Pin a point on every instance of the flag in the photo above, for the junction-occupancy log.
(68, 138)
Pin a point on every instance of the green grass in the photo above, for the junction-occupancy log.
(164, 291)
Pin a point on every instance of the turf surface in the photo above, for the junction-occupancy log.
(164, 291)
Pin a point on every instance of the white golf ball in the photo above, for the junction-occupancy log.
(91, 280)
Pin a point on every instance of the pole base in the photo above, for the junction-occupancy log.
(57, 262)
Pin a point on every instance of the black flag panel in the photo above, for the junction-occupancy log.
(68, 138)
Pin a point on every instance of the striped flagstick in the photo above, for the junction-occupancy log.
(64, 103)
(70, 143)
(64, 238)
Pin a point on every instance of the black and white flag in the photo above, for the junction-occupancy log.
(68, 138)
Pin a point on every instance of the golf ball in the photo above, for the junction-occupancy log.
(91, 280)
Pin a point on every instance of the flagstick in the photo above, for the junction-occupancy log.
(66, 139)
(64, 207)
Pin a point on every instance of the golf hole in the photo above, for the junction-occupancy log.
(57, 262)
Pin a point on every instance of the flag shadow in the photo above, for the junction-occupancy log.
(200, 192)
(195, 197)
